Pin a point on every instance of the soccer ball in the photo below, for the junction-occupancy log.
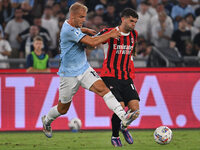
(163, 135)
(75, 124)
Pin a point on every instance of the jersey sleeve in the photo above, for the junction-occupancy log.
(75, 35)
(103, 31)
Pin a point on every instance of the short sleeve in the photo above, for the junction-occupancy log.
(75, 35)
(103, 31)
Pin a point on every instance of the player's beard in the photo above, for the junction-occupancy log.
(129, 29)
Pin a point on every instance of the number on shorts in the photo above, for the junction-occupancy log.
(132, 86)
(94, 74)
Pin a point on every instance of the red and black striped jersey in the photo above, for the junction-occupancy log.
(118, 60)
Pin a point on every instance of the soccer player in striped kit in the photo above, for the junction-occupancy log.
(118, 71)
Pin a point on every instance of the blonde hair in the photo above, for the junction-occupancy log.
(77, 6)
(38, 38)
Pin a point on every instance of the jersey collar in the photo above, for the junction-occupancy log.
(122, 33)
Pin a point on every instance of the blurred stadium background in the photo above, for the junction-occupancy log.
(167, 74)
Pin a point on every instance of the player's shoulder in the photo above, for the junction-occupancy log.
(135, 32)
(105, 30)
(67, 29)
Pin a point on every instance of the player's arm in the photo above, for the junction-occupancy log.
(88, 31)
(94, 41)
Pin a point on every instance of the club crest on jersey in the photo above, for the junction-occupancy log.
(77, 32)
(111, 87)
(132, 41)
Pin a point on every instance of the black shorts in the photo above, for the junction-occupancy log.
(123, 90)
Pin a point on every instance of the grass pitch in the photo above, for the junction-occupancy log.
(96, 140)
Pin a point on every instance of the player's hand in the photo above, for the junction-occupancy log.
(114, 33)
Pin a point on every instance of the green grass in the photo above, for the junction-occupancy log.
(96, 140)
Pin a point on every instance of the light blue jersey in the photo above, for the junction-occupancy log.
(73, 56)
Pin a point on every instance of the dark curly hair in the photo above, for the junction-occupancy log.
(127, 12)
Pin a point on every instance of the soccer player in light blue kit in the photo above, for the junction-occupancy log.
(75, 71)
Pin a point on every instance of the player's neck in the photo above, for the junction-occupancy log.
(70, 22)
(122, 29)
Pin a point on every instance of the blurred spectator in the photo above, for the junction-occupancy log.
(91, 3)
(42, 32)
(17, 3)
(64, 6)
(6, 12)
(124, 4)
(96, 22)
(143, 23)
(13, 28)
(196, 42)
(189, 51)
(162, 30)
(197, 11)
(197, 22)
(26, 8)
(37, 61)
(99, 10)
(55, 10)
(168, 4)
(61, 16)
(153, 5)
(181, 35)
(51, 24)
(96, 56)
(50, 3)
(143, 49)
(179, 11)
(27, 44)
(194, 3)
(88, 22)
(189, 18)
(5, 51)
(110, 16)
(1, 30)
(38, 8)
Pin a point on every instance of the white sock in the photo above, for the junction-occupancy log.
(114, 105)
(52, 115)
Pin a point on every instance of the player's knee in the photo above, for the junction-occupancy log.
(63, 111)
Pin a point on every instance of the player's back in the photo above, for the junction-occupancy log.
(73, 57)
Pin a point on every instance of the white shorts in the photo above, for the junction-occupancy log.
(70, 85)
